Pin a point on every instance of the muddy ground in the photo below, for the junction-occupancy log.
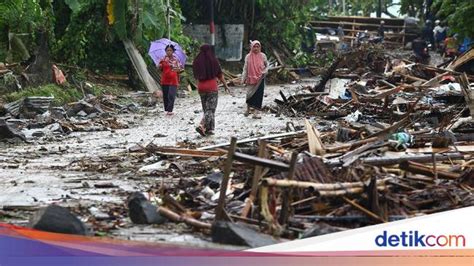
(51, 169)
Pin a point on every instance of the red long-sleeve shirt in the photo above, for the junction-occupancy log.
(209, 85)
(168, 76)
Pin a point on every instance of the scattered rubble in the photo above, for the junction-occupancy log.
(8, 132)
(141, 211)
(387, 144)
(57, 219)
(383, 139)
(240, 235)
(37, 117)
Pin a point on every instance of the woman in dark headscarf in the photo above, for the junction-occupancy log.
(207, 70)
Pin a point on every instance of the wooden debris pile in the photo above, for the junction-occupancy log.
(299, 184)
(396, 144)
(384, 90)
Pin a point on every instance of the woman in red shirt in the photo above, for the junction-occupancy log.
(170, 67)
(207, 70)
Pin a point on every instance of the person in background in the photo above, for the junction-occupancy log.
(466, 45)
(255, 68)
(308, 41)
(381, 30)
(340, 31)
(170, 67)
(451, 44)
(361, 37)
(206, 69)
(439, 34)
(420, 49)
(427, 33)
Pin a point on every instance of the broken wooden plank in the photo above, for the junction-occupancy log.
(372, 215)
(286, 200)
(314, 140)
(258, 173)
(355, 154)
(278, 58)
(188, 152)
(462, 59)
(327, 75)
(283, 97)
(351, 145)
(468, 92)
(281, 135)
(380, 161)
(220, 212)
(458, 148)
(261, 161)
(418, 168)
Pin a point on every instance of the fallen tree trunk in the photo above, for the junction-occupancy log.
(140, 66)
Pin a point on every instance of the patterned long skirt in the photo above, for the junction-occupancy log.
(209, 105)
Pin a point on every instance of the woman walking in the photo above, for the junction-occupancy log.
(170, 67)
(207, 70)
(255, 69)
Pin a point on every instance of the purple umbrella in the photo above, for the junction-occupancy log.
(157, 51)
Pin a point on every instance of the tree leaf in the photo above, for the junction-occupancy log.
(74, 5)
(120, 12)
(150, 20)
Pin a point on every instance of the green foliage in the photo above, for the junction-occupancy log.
(359, 7)
(21, 18)
(80, 34)
(321, 59)
(75, 5)
(120, 14)
(284, 17)
(87, 41)
(413, 8)
(62, 94)
(458, 14)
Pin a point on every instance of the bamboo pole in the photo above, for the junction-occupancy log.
(364, 210)
(417, 168)
(182, 218)
(336, 193)
(271, 182)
